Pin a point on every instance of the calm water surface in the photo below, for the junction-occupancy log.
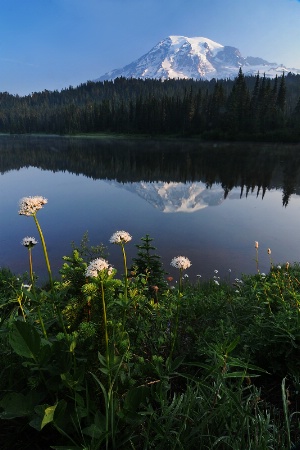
(207, 202)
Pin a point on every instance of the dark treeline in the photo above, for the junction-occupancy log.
(251, 167)
(252, 107)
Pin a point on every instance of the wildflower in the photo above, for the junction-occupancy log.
(287, 265)
(216, 271)
(170, 279)
(216, 282)
(181, 262)
(96, 266)
(256, 244)
(199, 276)
(30, 205)
(229, 270)
(29, 242)
(269, 251)
(186, 275)
(154, 288)
(120, 237)
(279, 267)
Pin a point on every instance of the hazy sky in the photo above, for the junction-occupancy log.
(52, 44)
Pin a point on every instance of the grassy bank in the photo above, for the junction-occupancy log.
(138, 360)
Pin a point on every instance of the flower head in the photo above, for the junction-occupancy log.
(30, 205)
(269, 251)
(29, 242)
(96, 266)
(181, 262)
(256, 244)
(120, 237)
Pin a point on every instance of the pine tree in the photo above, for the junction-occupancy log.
(148, 264)
(239, 105)
(281, 97)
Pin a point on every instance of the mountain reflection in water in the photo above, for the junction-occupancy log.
(101, 185)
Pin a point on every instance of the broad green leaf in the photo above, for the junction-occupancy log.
(15, 405)
(24, 339)
(94, 432)
(48, 415)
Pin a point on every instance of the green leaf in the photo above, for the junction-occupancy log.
(232, 345)
(72, 346)
(15, 405)
(135, 397)
(24, 339)
(48, 415)
(94, 432)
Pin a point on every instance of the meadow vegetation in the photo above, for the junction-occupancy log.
(140, 360)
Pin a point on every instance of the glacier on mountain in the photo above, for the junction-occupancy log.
(180, 57)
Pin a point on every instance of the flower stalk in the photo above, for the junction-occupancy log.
(182, 263)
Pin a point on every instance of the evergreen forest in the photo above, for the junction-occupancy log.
(246, 108)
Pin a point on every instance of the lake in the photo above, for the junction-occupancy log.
(206, 201)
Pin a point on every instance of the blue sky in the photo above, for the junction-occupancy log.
(52, 44)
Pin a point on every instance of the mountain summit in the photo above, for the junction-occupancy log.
(197, 58)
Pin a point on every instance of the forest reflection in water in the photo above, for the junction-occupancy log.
(102, 185)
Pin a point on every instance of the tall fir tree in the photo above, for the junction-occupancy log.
(148, 264)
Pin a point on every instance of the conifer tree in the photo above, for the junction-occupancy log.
(148, 264)
(281, 97)
(239, 105)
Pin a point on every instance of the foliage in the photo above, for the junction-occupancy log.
(247, 107)
(149, 265)
(94, 363)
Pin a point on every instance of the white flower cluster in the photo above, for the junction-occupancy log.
(30, 205)
(29, 242)
(120, 237)
(96, 266)
(181, 262)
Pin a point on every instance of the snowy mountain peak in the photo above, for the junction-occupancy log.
(194, 57)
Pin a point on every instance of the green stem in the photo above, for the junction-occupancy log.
(42, 323)
(45, 251)
(177, 313)
(125, 272)
(125, 286)
(105, 332)
(21, 307)
(33, 291)
(180, 281)
(256, 260)
(60, 318)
